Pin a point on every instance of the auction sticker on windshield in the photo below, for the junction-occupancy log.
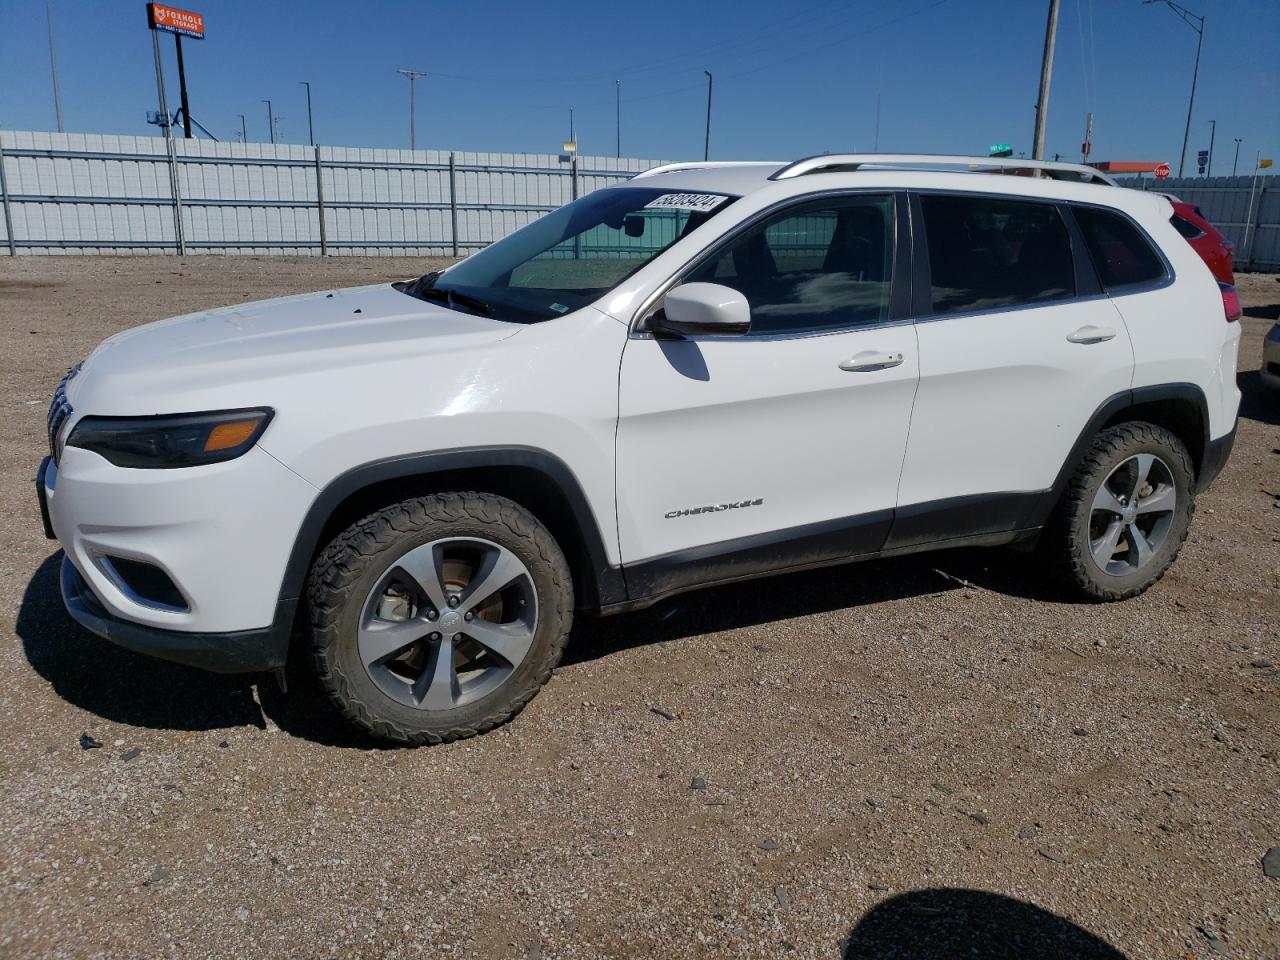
(688, 201)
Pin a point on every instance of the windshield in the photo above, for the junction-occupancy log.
(570, 257)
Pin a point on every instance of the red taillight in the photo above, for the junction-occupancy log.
(1230, 302)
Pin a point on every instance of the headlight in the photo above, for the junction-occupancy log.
(186, 440)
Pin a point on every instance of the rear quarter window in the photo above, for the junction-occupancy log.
(1122, 256)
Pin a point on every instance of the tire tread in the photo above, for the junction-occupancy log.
(1067, 542)
(338, 567)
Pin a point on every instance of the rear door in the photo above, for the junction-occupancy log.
(783, 446)
(1018, 349)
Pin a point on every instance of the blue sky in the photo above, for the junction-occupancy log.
(791, 79)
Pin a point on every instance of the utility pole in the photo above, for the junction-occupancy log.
(311, 130)
(244, 133)
(1187, 16)
(182, 89)
(53, 64)
(271, 121)
(1236, 159)
(413, 76)
(1086, 148)
(1046, 74)
(706, 143)
(573, 136)
(617, 107)
(1213, 132)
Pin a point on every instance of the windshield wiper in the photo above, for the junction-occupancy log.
(415, 287)
(452, 297)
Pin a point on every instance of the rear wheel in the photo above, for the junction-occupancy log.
(439, 617)
(1125, 514)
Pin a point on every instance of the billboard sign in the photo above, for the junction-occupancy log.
(173, 20)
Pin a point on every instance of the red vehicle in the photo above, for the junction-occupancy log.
(1213, 247)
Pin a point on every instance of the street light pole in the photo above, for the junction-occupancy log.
(311, 130)
(271, 121)
(413, 76)
(706, 143)
(165, 120)
(1046, 74)
(53, 64)
(1236, 158)
(1187, 16)
(244, 132)
(1213, 132)
(617, 107)
(182, 88)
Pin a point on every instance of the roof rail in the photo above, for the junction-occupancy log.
(846, 162)
(705, 164)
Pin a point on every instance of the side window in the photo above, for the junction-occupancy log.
(987, 252)
(817, 266)
(1122, 256)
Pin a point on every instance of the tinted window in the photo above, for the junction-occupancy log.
(1120, 253)
(817, 266)
(986, 253)
(1186, 227)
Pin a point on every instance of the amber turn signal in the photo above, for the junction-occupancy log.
(225, 436)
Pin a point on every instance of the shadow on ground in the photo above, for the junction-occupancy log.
(121, 686)
(1257, 401)
(125, 687)
(786, 596)
(950, 923)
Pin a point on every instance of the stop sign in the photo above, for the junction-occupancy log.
(1161, 171)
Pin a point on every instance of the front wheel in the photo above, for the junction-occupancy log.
(439, 617)
(1125, 513)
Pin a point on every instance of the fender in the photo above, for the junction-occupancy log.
(605, 582)
(1115, 405)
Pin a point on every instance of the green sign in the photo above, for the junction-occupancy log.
(1001, 150)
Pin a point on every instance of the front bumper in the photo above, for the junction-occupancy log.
(221, 533)
(240, 651)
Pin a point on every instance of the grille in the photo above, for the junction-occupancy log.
(59, 410)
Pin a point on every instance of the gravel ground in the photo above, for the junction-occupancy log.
(874, 761)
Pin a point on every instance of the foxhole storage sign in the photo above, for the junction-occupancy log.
(173, 20)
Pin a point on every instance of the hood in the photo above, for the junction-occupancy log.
(216, 351)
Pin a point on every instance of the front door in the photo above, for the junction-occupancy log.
(781, 447)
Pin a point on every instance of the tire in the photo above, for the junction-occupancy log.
(1091, 524)
(393, 578)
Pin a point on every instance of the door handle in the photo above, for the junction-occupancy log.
(867, 360)
(1091, 334)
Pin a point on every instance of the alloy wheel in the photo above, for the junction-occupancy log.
(1132, 514)
(448, 623)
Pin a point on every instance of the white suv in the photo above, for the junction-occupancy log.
(708, 373)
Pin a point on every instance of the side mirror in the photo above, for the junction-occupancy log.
(633, 226)
(702, 309)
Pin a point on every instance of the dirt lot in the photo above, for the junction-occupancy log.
(895, 764)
